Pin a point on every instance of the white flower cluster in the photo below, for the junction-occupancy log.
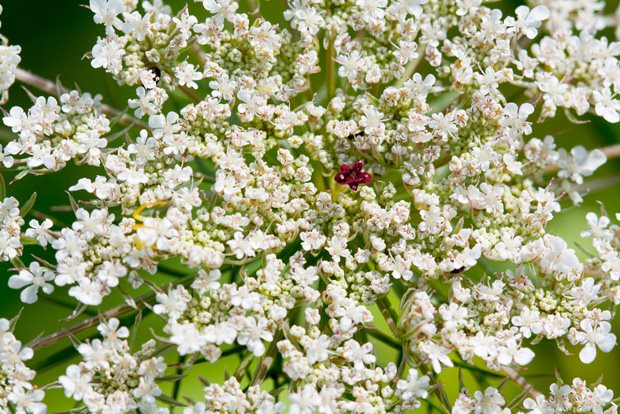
(51, 133)
(9, 60)
(10, 229)
(231, 398)
(605, 237)
(314, 361)
(563, 398)
(111, 378)
(576, 397)
(357, 166)
(17, 394)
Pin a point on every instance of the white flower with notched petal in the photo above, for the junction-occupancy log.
(253, 334)
(34, 278)
(491, 402)
(437, 354)
(413, 387)
(106, 12)
(606, 106)
(594, 336)
(76, 382)
(27, 400)
(516, 119)
(528, 20)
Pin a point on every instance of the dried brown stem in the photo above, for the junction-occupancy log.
(521, 382)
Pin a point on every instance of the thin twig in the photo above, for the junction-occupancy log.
(521, 381)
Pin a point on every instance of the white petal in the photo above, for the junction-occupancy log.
(607, 343)
(524, 356)
(595, 159)
(588, 353)
(19, 281)
(526, 110)
(47, 288)
(539, 13)
(29, 295)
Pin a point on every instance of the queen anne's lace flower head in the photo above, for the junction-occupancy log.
(323, 187)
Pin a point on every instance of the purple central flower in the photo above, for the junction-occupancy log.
(353, 175)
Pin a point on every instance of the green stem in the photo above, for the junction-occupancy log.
(389, 315)
(386, 339)
(331, 68)
(438, 386)
(179, 371)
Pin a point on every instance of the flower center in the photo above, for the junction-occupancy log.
(353, 175)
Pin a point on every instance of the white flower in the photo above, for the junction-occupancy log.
(580, 163)
(35, 278)
(106, 12)
(186, 337)
(172, 304)
(221, 9)
(107, 54)
(9, 60)
(253, 333)
(187, 74)
(511, 351)
(40, 231)
(538, 406)
(9, 246)
(491, 402)
(27, 400)
(437, 354)
(606, 106)
(318, 349)
(516, 118)
(359, 355)
(349, 65)
(414, 386)
(528, 322)
(76, 382)
(594, 336)
(112, 331)
(312, 240)
(598, 227)
(16, 119)
(528, 21)
(89, 292)
(304, 401)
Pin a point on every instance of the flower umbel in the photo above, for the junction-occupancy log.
(207, 227)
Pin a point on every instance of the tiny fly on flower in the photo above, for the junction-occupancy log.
(157, 72)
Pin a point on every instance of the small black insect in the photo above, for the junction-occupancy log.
(457, 270)
(157, 72)
(356, 135)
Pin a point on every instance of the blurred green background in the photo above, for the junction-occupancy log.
(55, 35)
